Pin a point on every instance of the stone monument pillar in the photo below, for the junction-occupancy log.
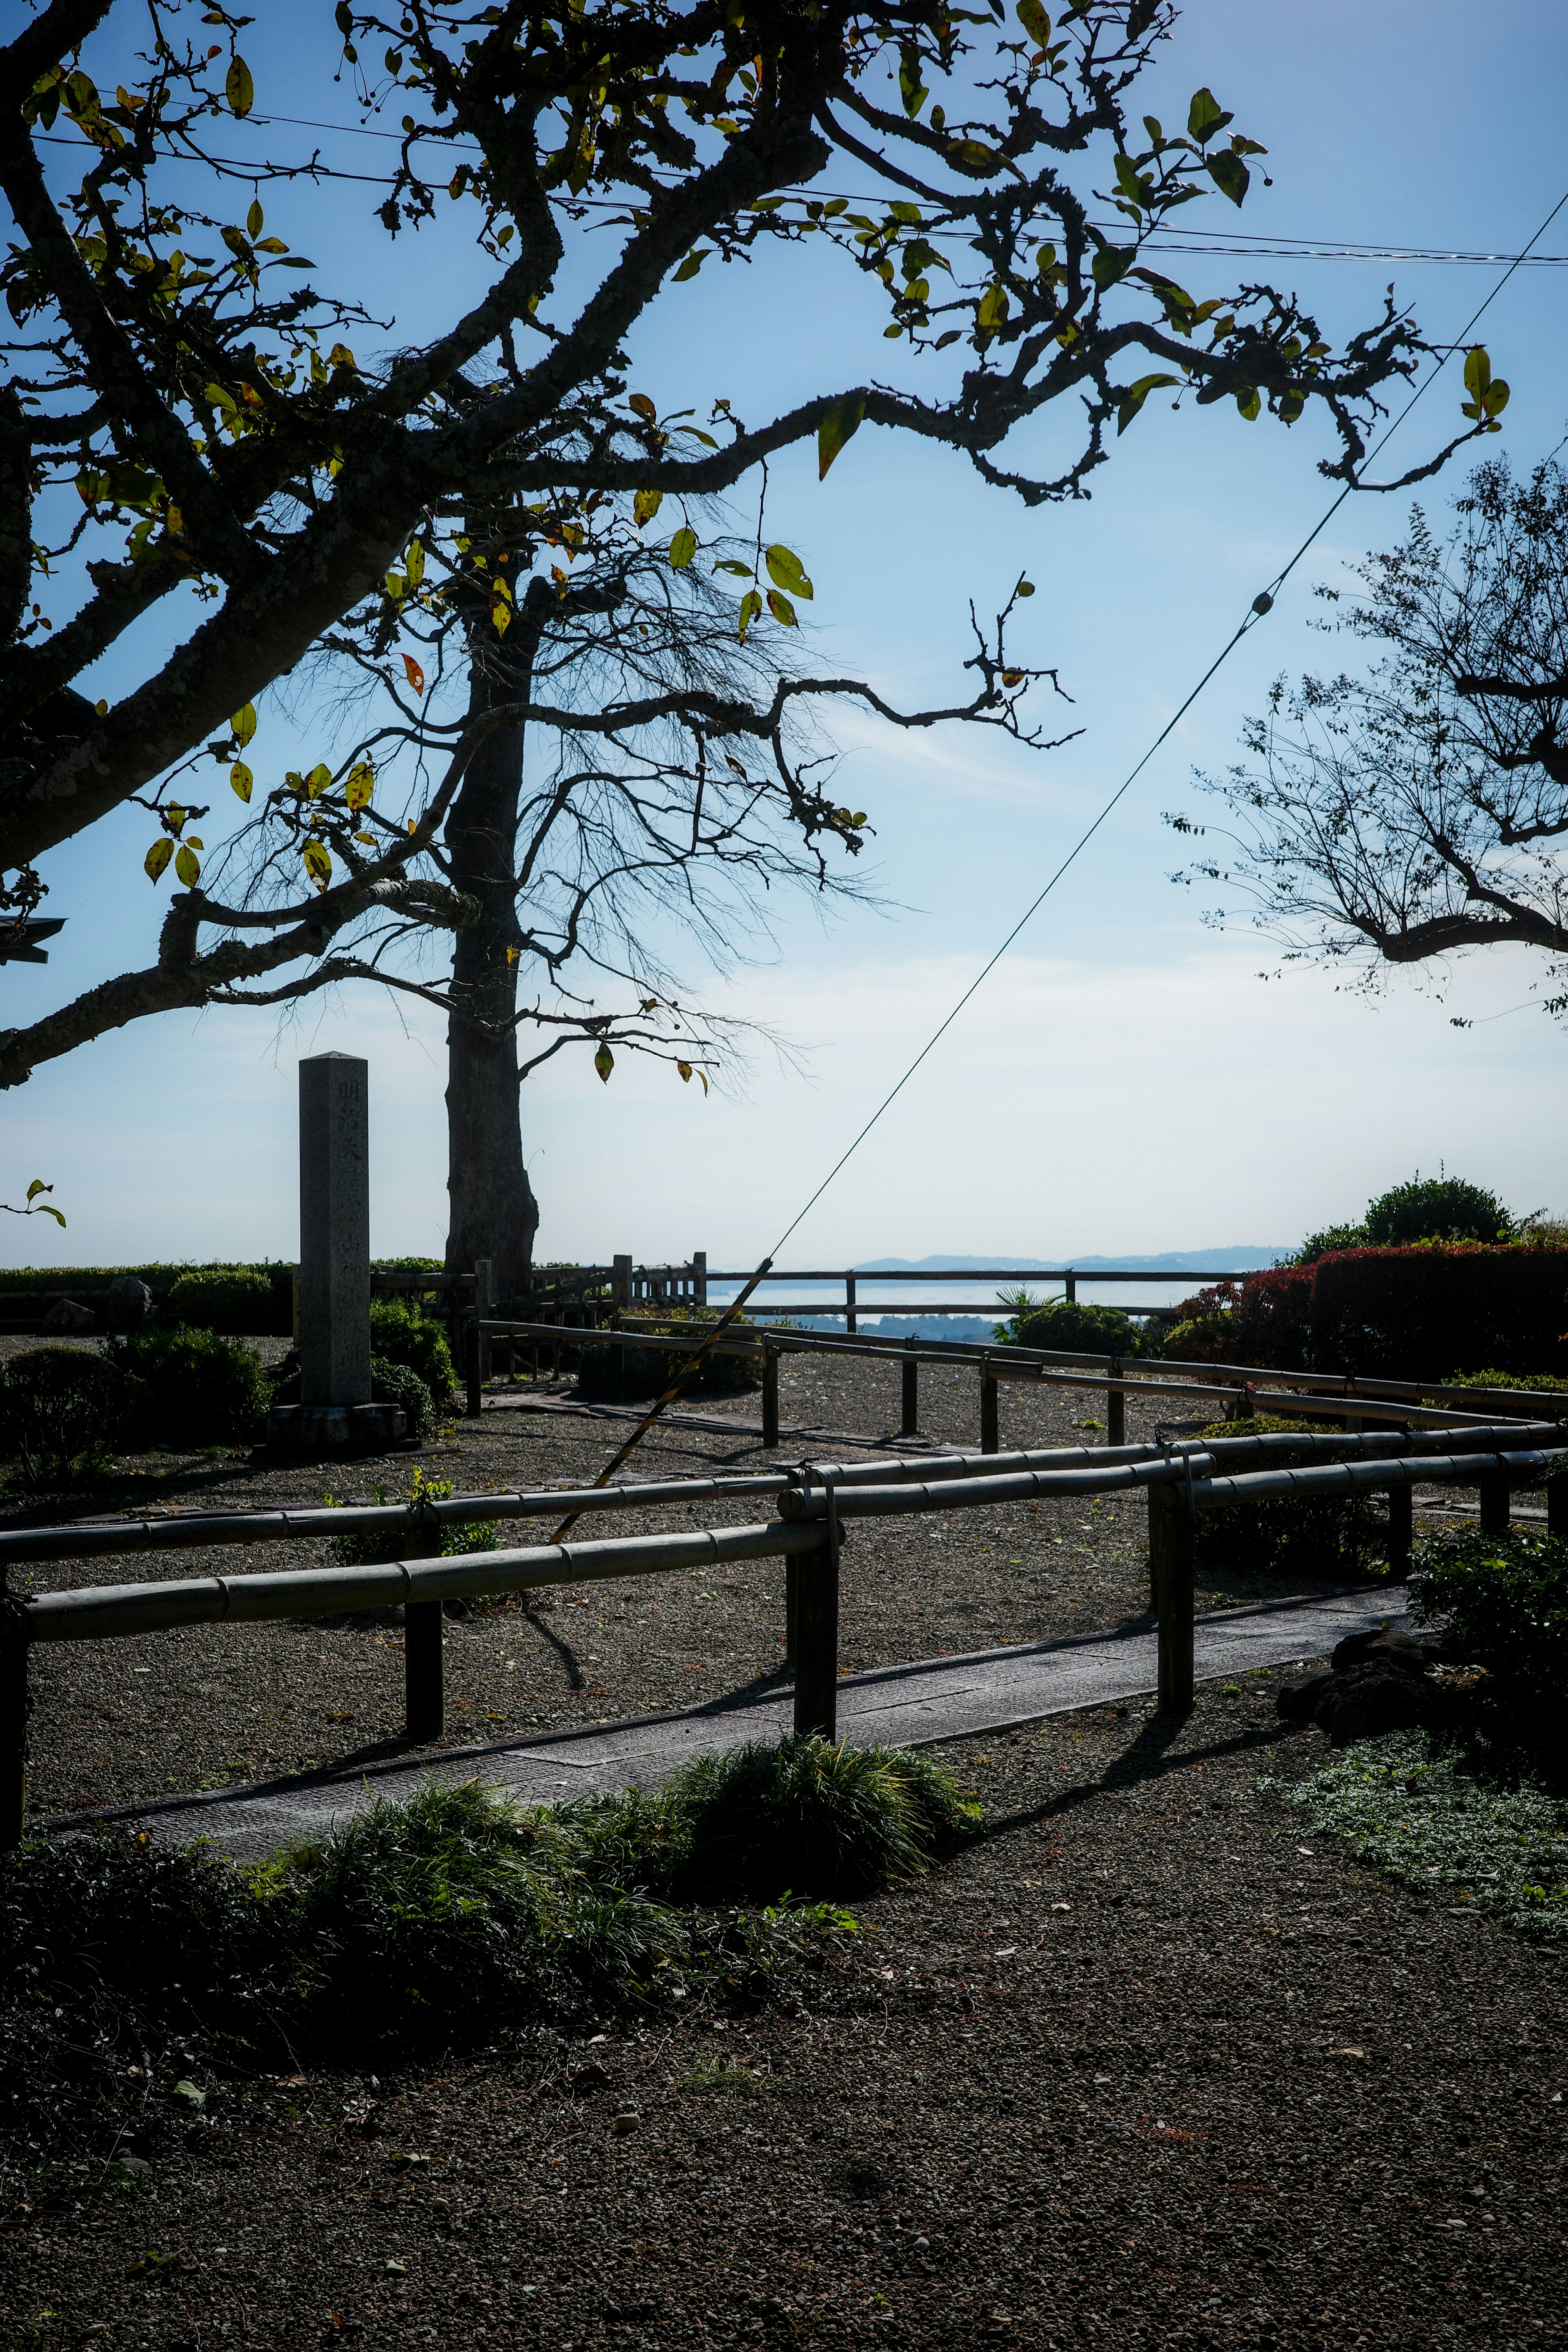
(335, 1413)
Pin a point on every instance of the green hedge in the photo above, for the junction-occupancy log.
(273, 1316)
(1071, 1327)
(187, 1387)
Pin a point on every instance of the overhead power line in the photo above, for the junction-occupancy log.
(1261, 605)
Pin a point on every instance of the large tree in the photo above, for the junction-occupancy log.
(238, 479)
(1421, 808)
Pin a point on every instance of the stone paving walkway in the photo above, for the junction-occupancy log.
(916, 1704)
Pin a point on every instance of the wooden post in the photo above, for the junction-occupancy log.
(13, 1728)
(1116, 1412)
(1071, 1288)
(817, 1642)
(909, 1421)
(700, 1278)
(1494, 1487)
(792, 1608)
(294, 1324)
(484, 1304)
(769, 1392)
(621, 1279)
(1173, 1550)
(423, 1635)
(1557, 1506)
(1401, 1530)
(990, 1439)
(849, 1323)
(472, 1367)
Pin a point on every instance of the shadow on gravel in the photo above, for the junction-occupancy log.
(1147, 1758)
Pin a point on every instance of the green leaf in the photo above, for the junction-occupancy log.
(238, 88)
(255, 219)
(751, 610)
(157, 858)
(1132, 399)
(784, 570)
(1249, 404)
(1230, 175)
(1025, 588)
(1205, 116)
(690, 265)
(682, 548)
(1035, 23)
(1111, 264)
(843, 419)
(1140, 16)
(911, 89)
(1478, 371)
(782, 610)
(646, 505)
(741, 570)
(243, 724)
(603, 1062)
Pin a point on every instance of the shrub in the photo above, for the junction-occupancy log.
(1441, 1208)
(392, 1383)
(236, 1299)
(1404, 1314)
(1335, 1534)
(458, 1538)
(814, 1819)
(60, 1412)
(1503, 1603)
(192, 1388)
(403, 1333)
(648, 1371)
(1494, 1380)
(1068, 1326)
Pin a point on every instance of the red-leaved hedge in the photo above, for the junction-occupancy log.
(1418, 1313)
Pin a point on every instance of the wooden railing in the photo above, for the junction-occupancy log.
(815, 1502)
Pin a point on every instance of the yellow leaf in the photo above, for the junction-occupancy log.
(157, 858)
(174, 522)
(685, 1069)
(320, 777)
(603, 1062)
(414, 674)
(318, 863)
(513, 954)
(646, 505)
(255, 220)
(682, 548)
(241, 777)
(238, 87)
(786, 571)
(361, 785)
(500, 612)
(644, 406)
(187, 866)
(414, 562)
(242, 726)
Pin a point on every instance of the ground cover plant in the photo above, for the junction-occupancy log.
(436, 1923)
(459, 1537)
(1436, 1816)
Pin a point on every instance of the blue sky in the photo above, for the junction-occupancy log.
(1125, 1081)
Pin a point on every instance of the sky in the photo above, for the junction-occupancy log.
(1127, 1080)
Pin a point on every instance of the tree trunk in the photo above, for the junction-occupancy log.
(492, 1213)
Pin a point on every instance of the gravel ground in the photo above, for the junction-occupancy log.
(1147, 2067)
(218, 1706)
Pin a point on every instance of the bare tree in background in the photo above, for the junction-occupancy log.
(1422, 810)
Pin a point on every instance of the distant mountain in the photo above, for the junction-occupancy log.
(1226, 1259)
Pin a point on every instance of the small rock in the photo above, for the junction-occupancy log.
(66, 1315)
(185, 2089)
(398, 2269)
(626, 2122)
(129, 1303)
(1411, 1652)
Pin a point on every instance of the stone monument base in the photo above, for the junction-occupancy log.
(318, 1428)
